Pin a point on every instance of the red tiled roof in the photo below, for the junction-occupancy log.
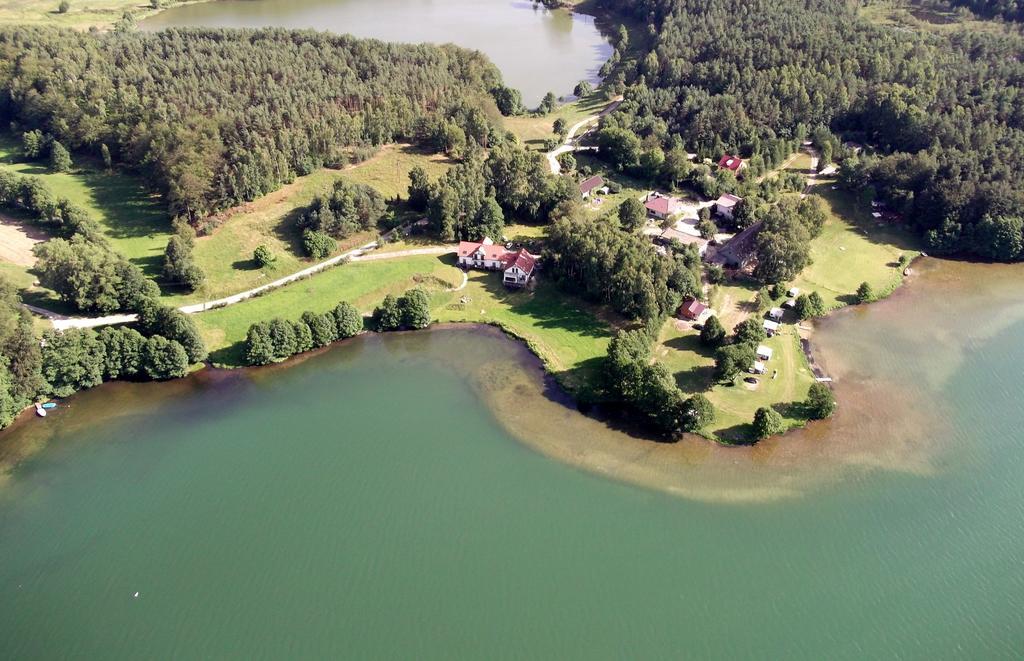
(730, 162)
(523, 259)
(660, 204)
(693, 309)
(590, 184)
(491, 251)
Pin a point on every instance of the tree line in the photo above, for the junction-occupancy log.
(161, 345)
(277, 339)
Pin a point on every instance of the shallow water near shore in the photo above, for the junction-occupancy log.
(384, 499)
(522, 38)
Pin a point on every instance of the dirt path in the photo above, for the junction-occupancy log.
(432, 250)
(570, 138)
(17, 238)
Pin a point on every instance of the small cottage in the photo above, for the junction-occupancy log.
(589, 185)
(726, 204)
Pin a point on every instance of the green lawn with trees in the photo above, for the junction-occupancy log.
(364, 284)
(570, 335)
(134, 221)
(854, 248)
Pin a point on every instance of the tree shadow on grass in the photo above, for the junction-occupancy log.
(245, 265)
(232, 355)
(548, 308)
(288, 233)
(848, 299)
(131, 210)
(692, 343)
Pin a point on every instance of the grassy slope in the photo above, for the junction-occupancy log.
(533, 130)
(134, 221)
(226, 254)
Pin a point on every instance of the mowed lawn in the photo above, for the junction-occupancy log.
(134, 220)
(693, 366)
(570, 335)
(364, 284)
(853, 248)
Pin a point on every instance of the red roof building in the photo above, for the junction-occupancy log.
(731, 163)
(588, 185)
(693, 310)
(661, 206)
(518, 268)
(518, 265)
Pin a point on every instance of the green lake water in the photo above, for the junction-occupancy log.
(537, 50)
(381, 500)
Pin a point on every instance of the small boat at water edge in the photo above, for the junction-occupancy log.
(50, 405)
(40, 411)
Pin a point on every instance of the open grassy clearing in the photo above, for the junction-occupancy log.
(854, 248)
(134, 220)
(533, 130)
(569, 335)
(362, 284)
(82, 14)
(909, 15)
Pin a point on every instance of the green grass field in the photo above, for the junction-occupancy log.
(693, 366)
(135, 221)
(82, 14)
(533, 130)
(853, 248)
(363, 284)
(569, 335)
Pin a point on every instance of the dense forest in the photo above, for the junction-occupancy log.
(217, 117)
(941, 115)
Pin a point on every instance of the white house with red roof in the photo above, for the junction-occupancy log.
(517, 265)
(731, 163)
(661, 206)
(519, 268)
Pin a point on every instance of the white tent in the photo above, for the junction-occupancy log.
(764, 353)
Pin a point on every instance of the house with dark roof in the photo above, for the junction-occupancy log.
(693, 310)
(738, 253)
(587, 186)
(731, 163)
